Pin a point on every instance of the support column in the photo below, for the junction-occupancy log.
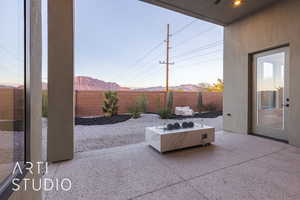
(33, 96)
(60, 80)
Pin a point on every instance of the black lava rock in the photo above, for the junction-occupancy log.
(177, 126)
(101, 120)
(185, 125)
(170, 127)
(191, 124)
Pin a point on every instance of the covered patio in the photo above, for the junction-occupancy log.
(250, 29)
(235, 167)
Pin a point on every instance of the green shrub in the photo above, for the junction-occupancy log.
(200, 105)
(139, 107)
(158, 103)
(135, 111)
(110, 107)
(211, 107)
(142, 103)
(165, 113)
(45, 104)
(170, 100)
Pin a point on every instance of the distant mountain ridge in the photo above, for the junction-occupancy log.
(184, 87)
(92, 84)
(6, 86)
(88, 83)
(10, 85)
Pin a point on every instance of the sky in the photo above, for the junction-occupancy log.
(11, 43)
(113, 40)
(122, 42)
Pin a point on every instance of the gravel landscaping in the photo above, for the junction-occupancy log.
(128, 132)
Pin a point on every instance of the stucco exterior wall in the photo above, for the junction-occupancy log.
(60, 80)
(270, 28)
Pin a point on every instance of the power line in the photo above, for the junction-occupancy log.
(154, 69)
(195, 36)
(205, 61)
(134, 65)
(142, 69)
(148, 53)
(158, 45)
(184, 27)
(148, 74)
(180, 30)
(201, 48)
(167, 61)
(175, 33)
(208, 46)
(143, 72)
(197, 56)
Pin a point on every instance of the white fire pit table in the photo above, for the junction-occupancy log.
(165, 140)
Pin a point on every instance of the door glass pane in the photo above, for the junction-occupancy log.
(11, 85)
(270, 90)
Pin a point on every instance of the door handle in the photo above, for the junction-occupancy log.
(286, 105)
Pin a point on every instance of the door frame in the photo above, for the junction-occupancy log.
(252, 87)
(6, 188)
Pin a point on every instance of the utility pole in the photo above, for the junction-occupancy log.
(167, 62)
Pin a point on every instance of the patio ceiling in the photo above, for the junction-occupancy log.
(223, 13)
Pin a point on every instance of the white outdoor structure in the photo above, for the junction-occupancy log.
(165, 140)
(184, 111)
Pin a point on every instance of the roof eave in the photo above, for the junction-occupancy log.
(185, 11)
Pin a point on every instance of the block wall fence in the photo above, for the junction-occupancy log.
(89, 103)
(11, 104)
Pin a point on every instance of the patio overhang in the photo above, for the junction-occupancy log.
(222, 13)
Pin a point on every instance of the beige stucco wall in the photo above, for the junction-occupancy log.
(269, 28)
(60, 80)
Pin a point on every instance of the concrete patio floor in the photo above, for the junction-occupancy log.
(235, 167)
(89, 138)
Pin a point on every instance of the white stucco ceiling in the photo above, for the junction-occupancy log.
(223, 13)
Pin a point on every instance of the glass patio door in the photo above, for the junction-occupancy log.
(270, 93)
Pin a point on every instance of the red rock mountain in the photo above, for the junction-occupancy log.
(88, 83)
(5, 86)
(186, 88)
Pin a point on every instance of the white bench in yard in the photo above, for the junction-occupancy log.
(184, 111)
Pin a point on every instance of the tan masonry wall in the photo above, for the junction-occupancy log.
(191, 99)
(11, 104)
(89, 103)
